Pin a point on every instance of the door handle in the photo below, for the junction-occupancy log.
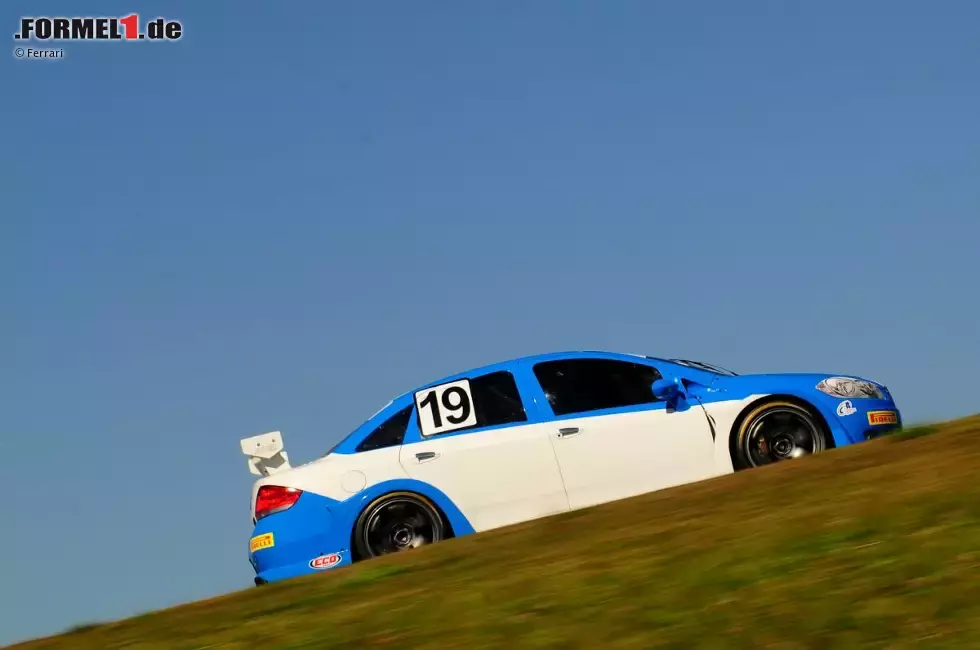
(566, 432)
(425, 455)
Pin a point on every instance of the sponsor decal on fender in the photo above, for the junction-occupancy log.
(882, 417)
(260, 542)
(845, 408)
(325, 561)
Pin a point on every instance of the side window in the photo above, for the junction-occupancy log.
(390, 433)
(581, 385)
(497, 400)
(484, 401)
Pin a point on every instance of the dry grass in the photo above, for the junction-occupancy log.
(874, 546)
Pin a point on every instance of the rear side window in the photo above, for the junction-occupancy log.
(390, 433)
(582, 385)
(497, 400)
(484, 401)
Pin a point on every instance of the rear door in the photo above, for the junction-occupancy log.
(473, 439)
(612, 437)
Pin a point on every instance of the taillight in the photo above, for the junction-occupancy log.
(274, 498)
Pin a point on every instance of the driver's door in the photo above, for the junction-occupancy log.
(613, 439)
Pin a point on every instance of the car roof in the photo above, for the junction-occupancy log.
(537, 358)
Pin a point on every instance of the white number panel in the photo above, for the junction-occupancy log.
(446, 407)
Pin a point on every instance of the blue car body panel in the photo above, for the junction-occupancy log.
(845, 430)
(317, 525)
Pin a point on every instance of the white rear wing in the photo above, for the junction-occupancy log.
(265, 454)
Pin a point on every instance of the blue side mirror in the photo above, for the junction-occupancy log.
(667, 390)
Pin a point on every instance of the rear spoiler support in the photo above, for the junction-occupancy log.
(265, 454)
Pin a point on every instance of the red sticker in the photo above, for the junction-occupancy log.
(882, 417)
(325, 561)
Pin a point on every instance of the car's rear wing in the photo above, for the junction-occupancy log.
(265, 454)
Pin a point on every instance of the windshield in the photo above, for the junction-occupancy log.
(704, 366)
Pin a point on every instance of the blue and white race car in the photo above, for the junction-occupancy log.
(536, 436)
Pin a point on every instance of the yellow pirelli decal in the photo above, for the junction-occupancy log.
(260, 542)
(882, 417)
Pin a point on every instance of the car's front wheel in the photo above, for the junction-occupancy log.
(777, 431)
(397, 522)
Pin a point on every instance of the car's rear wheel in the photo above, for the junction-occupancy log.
(778, 431)
(397, 522)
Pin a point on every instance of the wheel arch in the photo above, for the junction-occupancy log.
(416, 494)
(769, 399)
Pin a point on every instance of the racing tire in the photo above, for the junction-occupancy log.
(397, 522)
(777, 431)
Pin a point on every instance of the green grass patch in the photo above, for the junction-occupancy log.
(871, 546)
(911, 433)
(81, 627)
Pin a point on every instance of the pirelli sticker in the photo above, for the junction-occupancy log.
(882, 417)
(260, 542)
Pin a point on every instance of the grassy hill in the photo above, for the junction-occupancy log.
(874, 546)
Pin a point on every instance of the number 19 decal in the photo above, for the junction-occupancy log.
(445, 408)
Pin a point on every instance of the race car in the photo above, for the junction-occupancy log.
(533, 437)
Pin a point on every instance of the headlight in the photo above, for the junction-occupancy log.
(851, 388)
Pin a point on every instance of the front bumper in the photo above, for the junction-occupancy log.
(858, 420)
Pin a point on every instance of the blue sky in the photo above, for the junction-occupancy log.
(288, 217)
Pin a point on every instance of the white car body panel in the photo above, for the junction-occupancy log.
(724, 415)
(496, 477)
(336, 475)
(616, 456)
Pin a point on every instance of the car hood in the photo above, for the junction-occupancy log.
(793, 382)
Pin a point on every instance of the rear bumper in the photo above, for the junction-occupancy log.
(298, 569)
(299, 536)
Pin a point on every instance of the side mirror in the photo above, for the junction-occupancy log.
(667, 390)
